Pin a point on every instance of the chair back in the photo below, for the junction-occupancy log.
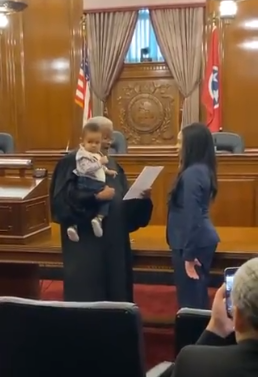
(6, 143)
(119, 144)
(228, 142)
(75, 339)
(189, 325)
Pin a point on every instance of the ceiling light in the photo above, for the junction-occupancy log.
(3, 21)
(251, 24)
(227, 10)
(12, 6)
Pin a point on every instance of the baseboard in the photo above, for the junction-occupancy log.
(51, 273)
(140, 277)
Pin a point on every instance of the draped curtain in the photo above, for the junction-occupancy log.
(179, 34)
(109, 35)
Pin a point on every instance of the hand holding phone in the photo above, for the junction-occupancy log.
(220, 324)
(229, 274)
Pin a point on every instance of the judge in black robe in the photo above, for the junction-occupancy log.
(96, 269)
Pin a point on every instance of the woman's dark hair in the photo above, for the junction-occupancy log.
(198, 148)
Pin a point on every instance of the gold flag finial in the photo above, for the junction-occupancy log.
(83, 24)
(212, 19)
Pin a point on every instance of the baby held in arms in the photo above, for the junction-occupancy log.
(91, 172)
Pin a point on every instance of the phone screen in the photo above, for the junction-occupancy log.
(229, 278)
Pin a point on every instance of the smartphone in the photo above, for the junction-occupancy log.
(229, 274)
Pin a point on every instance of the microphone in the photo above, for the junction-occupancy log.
(215, 143)
(67, 146)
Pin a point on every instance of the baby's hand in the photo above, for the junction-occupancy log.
(113, 173)
(104, 160)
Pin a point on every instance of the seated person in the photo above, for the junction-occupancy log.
(91, 172)
(216, 353)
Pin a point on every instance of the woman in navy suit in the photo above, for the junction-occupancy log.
(190, 232)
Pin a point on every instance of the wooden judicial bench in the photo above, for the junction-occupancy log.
(24, 218)
(237, 201)
(235, 214)
(19, 264)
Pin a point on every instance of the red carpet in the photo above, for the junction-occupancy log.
(157, 304)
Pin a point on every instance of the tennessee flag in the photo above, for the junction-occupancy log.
(211, 92)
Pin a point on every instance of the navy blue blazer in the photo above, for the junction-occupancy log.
(189, 227)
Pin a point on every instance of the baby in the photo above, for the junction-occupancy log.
(91, 172)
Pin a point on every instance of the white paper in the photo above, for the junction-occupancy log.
(143, 182)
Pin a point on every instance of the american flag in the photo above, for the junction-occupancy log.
(82, 95)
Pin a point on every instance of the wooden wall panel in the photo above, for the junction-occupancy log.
(236, 204)
(11, 78)
(40, 54)
(145, 105)
(39, 62)
(239, 70)
(239, 57)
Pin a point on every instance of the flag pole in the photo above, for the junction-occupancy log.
(67, 146)
(83, 92)
(211, 83)
(221, 31)
(84, 54)
(83, 25)
(216, 22)
(214, 19)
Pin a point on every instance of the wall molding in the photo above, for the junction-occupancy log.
(101, 5)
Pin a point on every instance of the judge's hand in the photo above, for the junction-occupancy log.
(112, 173)
(190, 268)
(219, 323)
(146, 194)
(106, 194)
(104, 160)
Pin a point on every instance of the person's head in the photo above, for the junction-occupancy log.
(195, 144)
(245, 300)
(91, 137)
(106, 127)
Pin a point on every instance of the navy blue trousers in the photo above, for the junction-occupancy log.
(93, 186)
(193, 293)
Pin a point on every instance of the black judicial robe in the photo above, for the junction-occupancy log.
(96, 269)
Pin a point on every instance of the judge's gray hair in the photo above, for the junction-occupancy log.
(101, 121)
(245, 291)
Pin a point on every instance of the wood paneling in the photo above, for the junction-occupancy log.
(40, 53)
(237, 201)
(132, 95)
(239, 70)
(39, 62)
(236, 204)
(19, 264)
(145, 105)
(149, 246)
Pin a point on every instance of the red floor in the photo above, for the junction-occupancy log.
(156, 302)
